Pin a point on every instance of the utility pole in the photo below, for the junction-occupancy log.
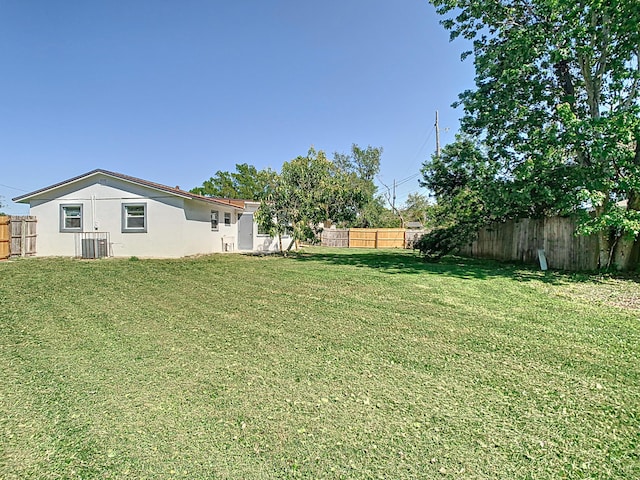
(437, 137)
(393, 204)
(391, 199)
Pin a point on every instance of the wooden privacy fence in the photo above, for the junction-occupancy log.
(5, 238)
(368, 237)
(17, 236)
(335, 237)
(519, 240)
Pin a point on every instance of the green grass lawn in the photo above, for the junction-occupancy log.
(326, 364)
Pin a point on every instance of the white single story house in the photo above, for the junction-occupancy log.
(103, 213)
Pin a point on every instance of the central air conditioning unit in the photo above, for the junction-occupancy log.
(95, 248)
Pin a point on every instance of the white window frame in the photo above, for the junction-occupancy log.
(227, 219)
(126, 228)
(215, 220)
(262, 233)
(64, 217)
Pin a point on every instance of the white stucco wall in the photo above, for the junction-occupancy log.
(176, 227)
(264, 243)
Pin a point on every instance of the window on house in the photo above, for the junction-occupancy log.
(70, 218)
(215, 215)
(227, 218)
(134, 217)
(262, 230)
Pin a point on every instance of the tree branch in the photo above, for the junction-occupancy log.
(634, 86)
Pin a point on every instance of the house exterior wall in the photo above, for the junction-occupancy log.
(264, 242)
(176, 226)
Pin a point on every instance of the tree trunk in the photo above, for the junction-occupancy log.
(623, 254)
(604, 244)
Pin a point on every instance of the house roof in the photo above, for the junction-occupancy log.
(414, 225)
(235, 203)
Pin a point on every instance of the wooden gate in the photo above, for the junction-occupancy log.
(5, 238)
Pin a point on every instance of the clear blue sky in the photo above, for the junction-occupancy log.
(172, 91)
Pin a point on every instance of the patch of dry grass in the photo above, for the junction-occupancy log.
(607, 291)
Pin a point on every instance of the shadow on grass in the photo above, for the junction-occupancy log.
(410, 262)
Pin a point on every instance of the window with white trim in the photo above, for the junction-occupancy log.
(262, 230)
(134, 217)
(71, 218)
(215, 216)
(227, 218)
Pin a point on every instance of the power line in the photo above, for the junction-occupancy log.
(408, 179)
(12, 188)
(424, 143)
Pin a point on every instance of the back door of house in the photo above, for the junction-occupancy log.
(245, 231)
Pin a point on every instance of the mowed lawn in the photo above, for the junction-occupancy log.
(326, 364)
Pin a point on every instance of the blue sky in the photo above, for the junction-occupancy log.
(172, 91)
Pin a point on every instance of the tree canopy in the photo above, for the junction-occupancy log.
(360, 167)
(556, 108)
(247, 183)
(418, 208)
(312, 190)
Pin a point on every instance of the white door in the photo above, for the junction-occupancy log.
(245, 231)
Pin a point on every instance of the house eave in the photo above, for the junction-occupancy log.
(234, 204)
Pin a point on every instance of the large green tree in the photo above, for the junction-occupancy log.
(556, 104)
(359, 168)
(247, 183)
(309, 191)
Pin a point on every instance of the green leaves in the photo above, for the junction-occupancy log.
(312, 189)
(556, 103)
(247, 183)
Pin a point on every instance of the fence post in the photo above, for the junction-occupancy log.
(23, 237)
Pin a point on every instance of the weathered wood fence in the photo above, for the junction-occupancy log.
(335, 237)
(519, 240)
(514, 240)
(17, 236)
(369, 237)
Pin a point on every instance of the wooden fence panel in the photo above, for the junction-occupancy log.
(370, 237)
(412, 236)
(362, 238)
(528, 238)
(567, 251)
(520, 240)
(390, 238)
(23, 236)
(335, 237)
(5, 238)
